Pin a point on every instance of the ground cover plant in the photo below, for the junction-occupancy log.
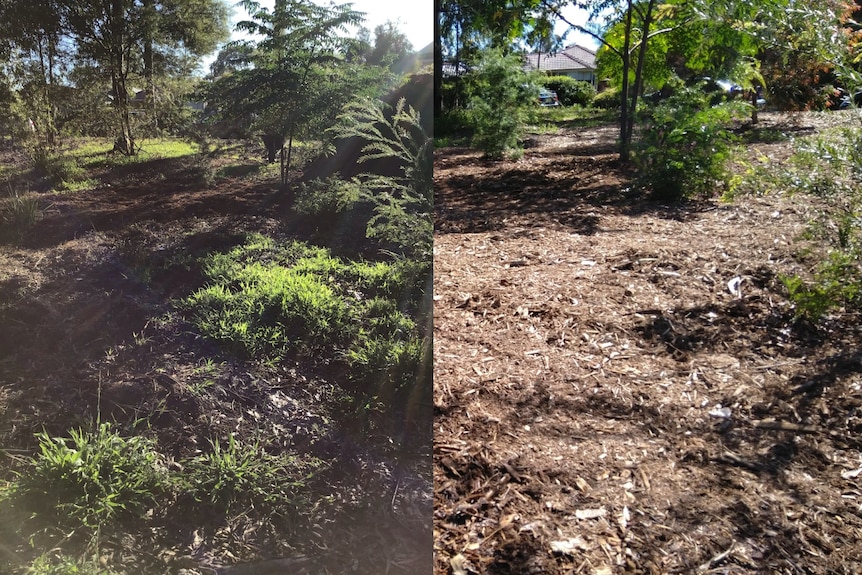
(625, 385)
(828, 166)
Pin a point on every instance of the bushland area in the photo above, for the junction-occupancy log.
(214, 292)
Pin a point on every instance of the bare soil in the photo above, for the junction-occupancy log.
(606, 400)
(89, 331)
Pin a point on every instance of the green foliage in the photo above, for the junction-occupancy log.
(502, 97)
(402, 204)
(329, 196)
(385, 350)
(20, 210)
(56, 563)
(828, 166)
(609, 99)
(836, 282)
(91, 478)
(234, 476)
(272, 310)
(297, 54)
(62, 172)
(276, 299)
(686, 146)
(570, 91)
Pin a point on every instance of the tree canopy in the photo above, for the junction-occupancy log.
(121, 39)
(302, 51)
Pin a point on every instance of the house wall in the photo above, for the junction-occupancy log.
(582, 75)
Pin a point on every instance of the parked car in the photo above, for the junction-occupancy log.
(843, 100)
(548, 98)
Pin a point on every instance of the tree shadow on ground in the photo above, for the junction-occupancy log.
(562, 187)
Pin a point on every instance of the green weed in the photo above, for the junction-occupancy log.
(233, 475)
(20, 210)
(55, 563)
(91, 477)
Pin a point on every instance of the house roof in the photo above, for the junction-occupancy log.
(572, 58)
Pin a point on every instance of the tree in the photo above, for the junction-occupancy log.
(632, 23)
(728, 38)
(391, 47)
(465, 28)
(300, 54)
(232, 57)
(33, 34)
(125, 37)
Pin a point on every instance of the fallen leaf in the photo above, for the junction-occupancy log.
(590, 513)
(569, 546)
(460, 565)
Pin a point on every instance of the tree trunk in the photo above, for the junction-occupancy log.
(638, 87)
(125, 143)
(46, 64)
(438, 61)
(273, 143)
(624, 100)
(754, 106)
(149, 72)
(286, 167)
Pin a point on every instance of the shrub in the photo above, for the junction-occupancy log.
(20, 210)
(502, 98)
(325, 197)
(401, 204)
(610, 99)
(570, 91)
(685, 146)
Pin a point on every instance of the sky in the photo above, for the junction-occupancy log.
(414, 18)
(576, 16)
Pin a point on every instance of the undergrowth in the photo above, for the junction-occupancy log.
(278, 300)
(234, 476)
(78, 490)
(828, 166)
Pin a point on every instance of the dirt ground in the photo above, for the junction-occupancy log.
(621, 387)
(89, 330)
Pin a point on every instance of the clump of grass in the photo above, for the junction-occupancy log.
(232, 475)
(275, 310)
(273, 300)
(20, 210)
(55, 563)
(91, 478)
(385, 350)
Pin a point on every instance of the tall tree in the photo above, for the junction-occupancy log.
(34, 32)
(301, 54)
(125, 36)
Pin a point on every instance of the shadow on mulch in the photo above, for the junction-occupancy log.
(571, 188)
